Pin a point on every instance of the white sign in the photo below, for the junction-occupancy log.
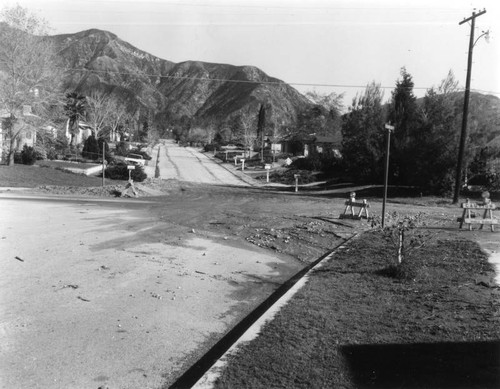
(130, 167)
(267, 166)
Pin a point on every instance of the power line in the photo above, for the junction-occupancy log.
(293, 6)
(173, 77)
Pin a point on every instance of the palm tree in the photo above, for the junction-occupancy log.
(75, 108)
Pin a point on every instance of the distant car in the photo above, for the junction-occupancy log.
(135, 159)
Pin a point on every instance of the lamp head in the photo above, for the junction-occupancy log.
(487, 36)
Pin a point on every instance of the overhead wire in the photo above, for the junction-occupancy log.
(278, 82)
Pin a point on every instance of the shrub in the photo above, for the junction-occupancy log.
(211, 147)
(405, 234)
(52, 153)
(121, 148)
(324, 162)
(288, 177)
(144, 154)
(120, 172)
(28, 155)
(91, 148)
(17, 158)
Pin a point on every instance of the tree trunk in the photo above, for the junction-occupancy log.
(73, 132)
(400, 246)
(12, 149)
(10, 158)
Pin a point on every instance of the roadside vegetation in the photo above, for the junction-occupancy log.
(22, 176)
(424, 145)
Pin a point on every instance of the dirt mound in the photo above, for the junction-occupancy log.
(149, 187)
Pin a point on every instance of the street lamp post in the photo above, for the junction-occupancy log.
(463, 134)
(389, 129)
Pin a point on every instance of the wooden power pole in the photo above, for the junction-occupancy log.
(463, 134)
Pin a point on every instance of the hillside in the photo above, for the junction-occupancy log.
(484, 118)
(196, 90)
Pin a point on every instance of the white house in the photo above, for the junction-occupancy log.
(26, 136)
(84, 131)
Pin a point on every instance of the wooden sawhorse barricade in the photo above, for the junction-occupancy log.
(468, 218)
(351, 204)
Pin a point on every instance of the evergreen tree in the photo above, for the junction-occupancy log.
(403, 115)
(75, 109)
(435, 143)
(324, 117)
(90, 148)
(363, 137)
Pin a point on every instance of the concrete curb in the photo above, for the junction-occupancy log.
(150, 168)
(203, 373)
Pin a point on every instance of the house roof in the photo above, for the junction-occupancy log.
(325, 139)
(24, 112)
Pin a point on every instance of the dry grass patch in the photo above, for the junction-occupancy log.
(353, 326)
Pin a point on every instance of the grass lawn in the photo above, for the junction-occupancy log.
(32, 176)
(353, 326)
(65, 164)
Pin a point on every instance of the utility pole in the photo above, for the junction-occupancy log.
(103, 160)
(463, 134)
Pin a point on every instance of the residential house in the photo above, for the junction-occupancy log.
(26, 136)
(84, 131)
(304, 145)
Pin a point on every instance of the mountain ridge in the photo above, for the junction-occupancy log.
(203, 91)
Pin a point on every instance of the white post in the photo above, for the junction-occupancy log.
(267, 167)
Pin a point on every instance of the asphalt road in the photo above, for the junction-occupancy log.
(188, 164)
(96, 293)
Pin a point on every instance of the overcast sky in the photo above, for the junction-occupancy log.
(328, 45)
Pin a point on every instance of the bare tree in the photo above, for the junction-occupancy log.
(249, 133)
(100, 107)
(210, 130)
(29, 79)
(277, 133)
(331, 102)
(118, 115)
